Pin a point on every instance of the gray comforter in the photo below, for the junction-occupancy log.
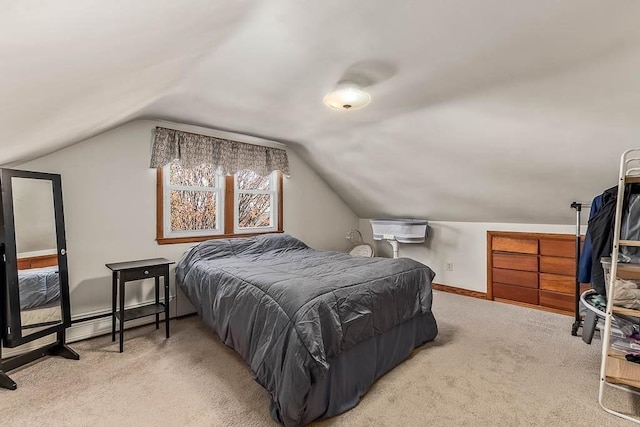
(38, 287)
(288, 310)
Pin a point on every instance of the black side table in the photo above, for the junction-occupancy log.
(138, 270)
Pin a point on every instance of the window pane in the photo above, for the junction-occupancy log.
(254, 210)
(200, 176)
(249, 180)
(193, 210)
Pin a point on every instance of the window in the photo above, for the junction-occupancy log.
(255, 197)
(199, 204)
(191, 201)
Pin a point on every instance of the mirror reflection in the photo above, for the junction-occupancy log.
(37, 250)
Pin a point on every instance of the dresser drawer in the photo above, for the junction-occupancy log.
(508, 244)
(143, 273)
(515, 293)
(528, 279)
(515, 261)
(557, 265)
(558, 283)
(559, 248)
(557, 300)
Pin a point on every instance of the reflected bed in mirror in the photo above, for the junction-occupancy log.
(39, 284)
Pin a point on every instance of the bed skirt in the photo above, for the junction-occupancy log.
(354, 371)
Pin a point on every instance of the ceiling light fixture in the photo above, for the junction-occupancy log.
(347, 96)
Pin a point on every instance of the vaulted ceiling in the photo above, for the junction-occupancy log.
(497, 111)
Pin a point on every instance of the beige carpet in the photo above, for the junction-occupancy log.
(491, 365)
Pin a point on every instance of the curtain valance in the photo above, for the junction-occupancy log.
(229, 157)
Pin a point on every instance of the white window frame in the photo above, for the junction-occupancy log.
(218, 189)
(272, 192)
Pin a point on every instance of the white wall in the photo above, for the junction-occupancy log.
(462, 243)
(34, 217)
(109, 195)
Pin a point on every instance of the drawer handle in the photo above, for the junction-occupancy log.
(146, 272)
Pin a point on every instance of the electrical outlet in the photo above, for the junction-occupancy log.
(450, 266)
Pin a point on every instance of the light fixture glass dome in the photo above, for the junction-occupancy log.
(347, 96)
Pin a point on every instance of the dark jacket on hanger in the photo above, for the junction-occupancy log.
(601, 233)
(584, 266)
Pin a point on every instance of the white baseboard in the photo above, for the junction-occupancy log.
(102, 326)
(84, 330)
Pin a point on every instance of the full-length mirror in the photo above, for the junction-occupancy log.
(35, 279)
(34, 291)
(37, 254)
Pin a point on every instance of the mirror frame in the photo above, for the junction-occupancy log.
(11, 322)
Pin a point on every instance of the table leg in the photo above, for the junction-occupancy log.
(121, 314)
(158, 301)
(166, 299)
(114, 291)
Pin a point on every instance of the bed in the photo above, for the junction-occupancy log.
(38, 287)
(316, 328)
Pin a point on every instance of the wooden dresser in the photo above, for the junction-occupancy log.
(532, 269)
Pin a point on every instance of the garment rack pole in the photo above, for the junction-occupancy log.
(578, 320)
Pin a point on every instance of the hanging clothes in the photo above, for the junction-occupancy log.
(630, 229)
(601, 230)
(584, 264)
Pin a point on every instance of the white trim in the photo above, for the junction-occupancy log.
(272, 192)
(193, 188)
(37, 253)
(216, 133)
(218, 189)
(254, 191)
(251, 230)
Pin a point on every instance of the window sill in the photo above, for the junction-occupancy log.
(196, 239)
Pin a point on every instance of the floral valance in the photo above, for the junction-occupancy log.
(192, 150)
